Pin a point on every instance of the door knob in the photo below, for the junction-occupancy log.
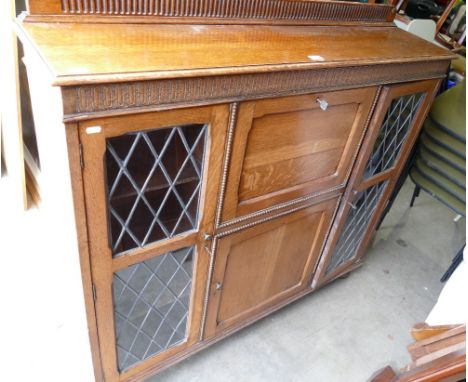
(322, 103)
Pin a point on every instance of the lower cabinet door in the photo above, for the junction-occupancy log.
(259, 267)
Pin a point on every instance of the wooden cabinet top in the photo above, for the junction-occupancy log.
(80, 53)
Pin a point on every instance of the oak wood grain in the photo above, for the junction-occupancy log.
(285, 148)
(259, 266)
(169, 51)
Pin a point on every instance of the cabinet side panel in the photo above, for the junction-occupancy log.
(64, 230)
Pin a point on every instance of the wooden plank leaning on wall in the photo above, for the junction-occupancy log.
(12, 140)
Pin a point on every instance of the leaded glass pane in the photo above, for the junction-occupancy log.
(151, 305)
(353, 231)
(393, 132)
(153, 184)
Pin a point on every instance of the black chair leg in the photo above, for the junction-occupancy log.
(416, 191)
(455, 263)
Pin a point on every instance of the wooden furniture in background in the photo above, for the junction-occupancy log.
(11, 126)
(17, 134)
(445, 14)
(422, 331)
(219, 172)
(439, 354)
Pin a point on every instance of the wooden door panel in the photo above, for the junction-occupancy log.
(266, 252)
(289, 147)
(260, 266)
(282, 151)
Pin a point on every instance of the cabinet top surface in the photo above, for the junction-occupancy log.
(78, 53)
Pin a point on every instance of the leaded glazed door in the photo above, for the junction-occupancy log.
(149, 206)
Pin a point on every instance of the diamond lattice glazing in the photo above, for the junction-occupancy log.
(355, 225)
(154, 180)
(151, 305)
(393, 132)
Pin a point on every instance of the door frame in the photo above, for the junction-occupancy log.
(357, 184)
(92, 138)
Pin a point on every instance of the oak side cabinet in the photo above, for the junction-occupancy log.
(226, 158)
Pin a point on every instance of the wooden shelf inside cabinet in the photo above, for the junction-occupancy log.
(215, 151)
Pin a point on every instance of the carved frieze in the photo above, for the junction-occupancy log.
(83, 100)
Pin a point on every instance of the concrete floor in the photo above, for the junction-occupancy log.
(343, 332)
(352, 327)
